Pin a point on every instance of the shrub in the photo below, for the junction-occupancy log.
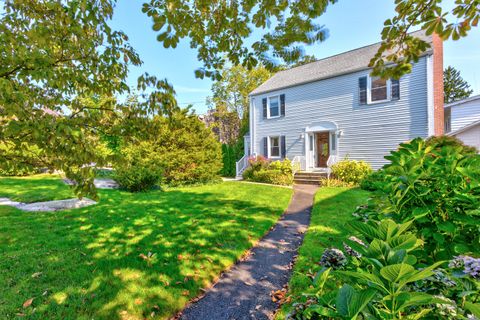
(333, 182)
(188, 151)
(229, 159)
(439, 186)
(351, 171)
(276, 172)
(438, 142)
(374, 181)
(138, 168)
(272, 176)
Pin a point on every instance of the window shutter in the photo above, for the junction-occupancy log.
(283, 147)
(282, 105)
(264, 103)
(265, 147)
(362, 89)
(395, 89)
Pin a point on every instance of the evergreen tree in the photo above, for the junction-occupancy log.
(455, 88)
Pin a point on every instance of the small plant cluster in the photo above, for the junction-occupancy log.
(275, 172)
(351, 172)
(417, 252)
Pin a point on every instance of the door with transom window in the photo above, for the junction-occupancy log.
(322, 144)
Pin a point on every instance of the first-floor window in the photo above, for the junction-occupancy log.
(274, 146)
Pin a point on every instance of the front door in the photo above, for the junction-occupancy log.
(323, 148)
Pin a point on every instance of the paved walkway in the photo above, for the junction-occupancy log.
(244, 291)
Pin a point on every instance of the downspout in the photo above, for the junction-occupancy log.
(252, 127)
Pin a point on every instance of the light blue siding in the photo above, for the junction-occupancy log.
(369, 131)
(464, 114)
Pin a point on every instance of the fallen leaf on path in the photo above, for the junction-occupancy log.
(279, 295)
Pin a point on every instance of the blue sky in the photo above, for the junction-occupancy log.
(351, 24)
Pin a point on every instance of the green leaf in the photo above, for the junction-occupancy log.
(415, 299)
(396, 272)
(350, 302)
(422, 274)
(367, 230)
(403, 242)
(369, 278)
(419, 315)
(345, 295)
(474, 308)
(447, 226)
(321, 278)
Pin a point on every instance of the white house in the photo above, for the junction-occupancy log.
(462, 120)
(333, 108)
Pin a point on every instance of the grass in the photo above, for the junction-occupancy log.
(42, 187)
(332, 210)
(131, 256)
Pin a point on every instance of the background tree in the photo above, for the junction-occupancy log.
(230, 106)
(230, 102)
(455, 87)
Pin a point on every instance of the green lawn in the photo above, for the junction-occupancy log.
(333, 208)
(93, 263)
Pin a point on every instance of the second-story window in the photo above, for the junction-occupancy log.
(378, 89)
(273, 107)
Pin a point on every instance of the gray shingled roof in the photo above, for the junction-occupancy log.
(347, 62)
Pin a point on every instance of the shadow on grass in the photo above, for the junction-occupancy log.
(131, 256)
(43, 187)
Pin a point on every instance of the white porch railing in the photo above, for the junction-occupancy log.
(298, 164)
(240, 166)
(330, 162)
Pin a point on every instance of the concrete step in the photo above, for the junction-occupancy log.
(307, 173)
(315, 176)
(307, 181)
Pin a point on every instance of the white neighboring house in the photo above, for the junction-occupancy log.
(332, 108)
(462, 120)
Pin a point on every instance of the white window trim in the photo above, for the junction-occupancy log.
(268, 107)
(270, 149)
(369, 91)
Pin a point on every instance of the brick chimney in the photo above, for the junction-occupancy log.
(438, 116)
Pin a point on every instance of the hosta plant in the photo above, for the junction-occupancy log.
(379, 286)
